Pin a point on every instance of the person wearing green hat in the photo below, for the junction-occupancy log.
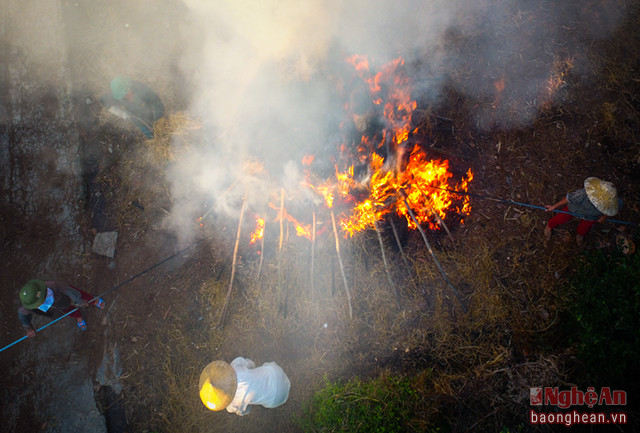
(597, 201)
(53, 299)
(133, 100)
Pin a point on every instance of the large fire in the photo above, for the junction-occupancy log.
(391, 164)
(395, 169)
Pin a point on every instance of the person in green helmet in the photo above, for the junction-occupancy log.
(133, 100)
(53, 299)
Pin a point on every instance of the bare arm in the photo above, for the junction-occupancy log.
(25, 318)
(561, 203)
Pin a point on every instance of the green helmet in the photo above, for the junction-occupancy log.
(120, 86)
(33, 294)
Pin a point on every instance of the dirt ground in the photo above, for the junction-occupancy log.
(141, 357)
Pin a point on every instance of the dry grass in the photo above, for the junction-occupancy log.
(463, 353)
(139, 190)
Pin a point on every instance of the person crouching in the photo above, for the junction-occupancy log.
(53, 299)
(240, 384)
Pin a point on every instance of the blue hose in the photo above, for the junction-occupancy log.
(111, 289)
(530, 205)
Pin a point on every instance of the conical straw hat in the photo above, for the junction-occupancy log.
(602, 194)
(218, 383)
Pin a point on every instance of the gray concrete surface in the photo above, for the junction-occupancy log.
(49, 382)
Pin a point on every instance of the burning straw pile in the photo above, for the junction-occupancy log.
(380, 176)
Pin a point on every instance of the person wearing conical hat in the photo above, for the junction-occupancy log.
(597, 201)
(52, 299)
(134, 101)
(240, 384)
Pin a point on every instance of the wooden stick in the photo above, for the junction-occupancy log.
(281, 217)
(404, 257)
(223, 314)
(282, 307)
(344, 277)
(424, 237)
(313, 246)
(333, 275)
(210, 209)
(386, 266)
(434, 212)
(395, 235)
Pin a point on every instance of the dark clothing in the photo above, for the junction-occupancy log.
(65, 299)
(143, 105)
(579, 203)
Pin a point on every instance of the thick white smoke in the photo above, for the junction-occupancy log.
(267, 74)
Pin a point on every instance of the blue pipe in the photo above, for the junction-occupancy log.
(530, 205)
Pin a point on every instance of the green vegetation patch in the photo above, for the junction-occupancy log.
(604, 310)
(384, 405)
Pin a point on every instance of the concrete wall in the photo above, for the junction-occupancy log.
(39, 179)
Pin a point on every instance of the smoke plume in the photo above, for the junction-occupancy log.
(271, 75)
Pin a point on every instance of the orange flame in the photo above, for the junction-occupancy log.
(425, 182)
(302, 230)
(307, 159)
(325, 190)
(390, 170)
(258, 233)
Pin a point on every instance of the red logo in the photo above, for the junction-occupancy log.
(535, 396)
(575, 397)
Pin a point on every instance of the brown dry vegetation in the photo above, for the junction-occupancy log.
(473, 370)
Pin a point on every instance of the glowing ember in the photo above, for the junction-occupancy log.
(556, 81)
(258, 233)
(307, 159)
